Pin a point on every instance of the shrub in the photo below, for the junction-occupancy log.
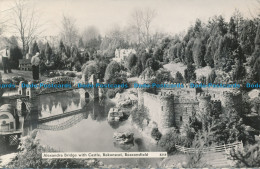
(138, 116)
(30, 156)
(168, 141)
(176, 60)
(71, 74)
(156, 134)
(111, 93)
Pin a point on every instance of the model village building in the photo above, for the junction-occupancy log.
(122, 54)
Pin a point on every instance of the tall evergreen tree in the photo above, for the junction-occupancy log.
(80, 43)
(198, 52)
(35, 48)
(48, 52)
(189, 73)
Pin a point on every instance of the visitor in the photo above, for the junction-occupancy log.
(5, 59)
(35, 66)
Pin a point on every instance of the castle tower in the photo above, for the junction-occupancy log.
(21, 90)
(204, 103)
(31, 91)
(231, 100)
(166, 115)
(93, 81)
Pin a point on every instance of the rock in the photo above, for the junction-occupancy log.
(116, 114)
(127, 146)
(125, 103)
(124, 137)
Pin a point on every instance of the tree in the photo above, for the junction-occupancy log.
(256, 70)
(212, 76)
(142, 22)
(35, 48)
(69, 31)
(12, 41)
(137, 24)
(131, 61)
(247, 35)
(153, 64)
(112, 71)
(198, 52)
(178, 78)
(239, 71)
(169, 140)
(25, 23)
(91, 37)
(189, 73)
(15, 55)
(156, 134)
(143, 58)
(222, 25)
(148, 17)
(162, 75)
(80, 43)
(48, 52)
(248, 157)
(30, 156)
(158, 54)
(89, 69)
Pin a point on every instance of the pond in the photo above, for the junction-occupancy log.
(90, 133)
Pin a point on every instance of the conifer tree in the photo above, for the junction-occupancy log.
(35, 48)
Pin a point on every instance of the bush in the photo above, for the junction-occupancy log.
(156, 134)
(138, 116)
(248, 157)
(71, 74)
(177, 60)
(30, 156)
(111, 93)
(168, 141)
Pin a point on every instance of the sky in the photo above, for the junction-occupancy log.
(173, 16)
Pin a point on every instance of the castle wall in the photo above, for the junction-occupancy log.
(152, 103)
(183, 110)
(172, 107)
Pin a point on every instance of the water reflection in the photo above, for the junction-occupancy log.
(91, 133)
(54, 104)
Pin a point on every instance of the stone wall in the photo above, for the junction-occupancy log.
(153, 105)
(171, 108)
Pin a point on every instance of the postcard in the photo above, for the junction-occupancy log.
(129, 84)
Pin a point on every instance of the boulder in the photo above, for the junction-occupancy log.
(124, 137)
(116, 114)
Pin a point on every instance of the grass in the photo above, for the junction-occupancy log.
(25, 74)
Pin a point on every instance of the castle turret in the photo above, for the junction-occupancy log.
(31, 91)
(204, 103)
(21, 90)
(93, 81)
(166, 115)
(232, 100)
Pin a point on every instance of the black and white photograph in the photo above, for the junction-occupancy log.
(129, 84)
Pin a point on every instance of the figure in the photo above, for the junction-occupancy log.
(5, 59)
(35, 66)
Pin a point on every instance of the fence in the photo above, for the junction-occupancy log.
(222, 148)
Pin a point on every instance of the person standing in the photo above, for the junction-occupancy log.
(35, 61)
(5, 59)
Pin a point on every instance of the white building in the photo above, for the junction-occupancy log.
(122, 54)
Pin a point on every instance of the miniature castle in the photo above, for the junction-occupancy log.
(172, 107)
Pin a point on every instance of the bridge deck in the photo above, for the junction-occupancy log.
(19, 131)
